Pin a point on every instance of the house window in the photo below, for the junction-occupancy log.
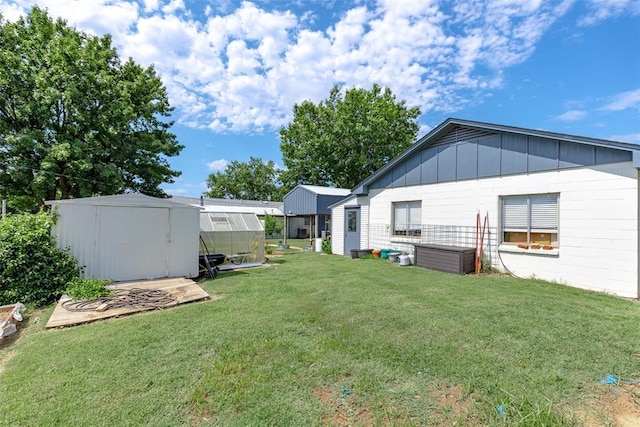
(407, 218)
(530, 220)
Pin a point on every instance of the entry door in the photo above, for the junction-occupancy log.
(351, 229)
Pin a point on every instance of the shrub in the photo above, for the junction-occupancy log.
(326, 246)
(82, 289)
(32, 269)
(272, 225)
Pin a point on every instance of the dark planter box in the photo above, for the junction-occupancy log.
(364, 252)
(354, 254)
(451, 259)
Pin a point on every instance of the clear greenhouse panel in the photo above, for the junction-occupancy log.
(239, 236)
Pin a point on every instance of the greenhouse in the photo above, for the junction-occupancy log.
(239, 236)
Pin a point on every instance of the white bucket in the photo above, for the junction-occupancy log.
(404, 260)
(318, 245)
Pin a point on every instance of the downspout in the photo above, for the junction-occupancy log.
(636, 164)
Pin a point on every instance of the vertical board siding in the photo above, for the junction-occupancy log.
(447, 163)
(543, 154)
(300, 202)
(609, 155)
(472, 154)
(413, 170)
(398, 175)
(467, 160)
(489, 156)
(429, 166)
(576, 154)
(514, 154)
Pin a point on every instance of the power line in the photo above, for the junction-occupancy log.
(23, 167)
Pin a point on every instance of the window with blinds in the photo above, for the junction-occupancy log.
(407, 219)
(530, 220)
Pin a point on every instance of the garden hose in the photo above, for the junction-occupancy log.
(137, 298)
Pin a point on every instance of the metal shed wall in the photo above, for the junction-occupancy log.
(303, 201)
(129, 242)
(300, 201)
(324, 201)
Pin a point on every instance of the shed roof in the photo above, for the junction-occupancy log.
(122, 200)
(321, 191)
(259, 207)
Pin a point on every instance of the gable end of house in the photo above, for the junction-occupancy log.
(461, 150)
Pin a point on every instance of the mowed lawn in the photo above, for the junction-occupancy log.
(317, 339)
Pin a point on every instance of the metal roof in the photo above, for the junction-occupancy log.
(121, 200)
(259, 207)
(327, 191)
(323, 191)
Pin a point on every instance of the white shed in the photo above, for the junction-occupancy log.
(129, 236)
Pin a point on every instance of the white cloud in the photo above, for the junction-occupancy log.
(150, 5)
(572, 116)
(173, 6)
(623, 101)
(633, 138)
(217, 165)
(600, 10)
(241, 68)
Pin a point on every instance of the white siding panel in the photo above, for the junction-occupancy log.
(364, 223)
(598, 221)
(184, 242)
(76, 229)
(337, 229)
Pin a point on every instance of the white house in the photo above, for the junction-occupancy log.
(559, 207)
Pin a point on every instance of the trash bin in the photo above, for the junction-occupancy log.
(318, 245)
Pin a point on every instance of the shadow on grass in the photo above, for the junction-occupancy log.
(276, 260)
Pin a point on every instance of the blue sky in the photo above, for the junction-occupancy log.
(234, 69)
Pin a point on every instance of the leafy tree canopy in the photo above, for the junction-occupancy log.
(343, 139)
(254, 180)
(76, 121)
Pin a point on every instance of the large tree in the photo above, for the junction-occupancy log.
(343, 139)
(254, 180)
(75, 120)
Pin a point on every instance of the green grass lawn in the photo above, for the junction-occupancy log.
(319, 339)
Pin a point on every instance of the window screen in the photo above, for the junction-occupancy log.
(407, 218)
(530, 220)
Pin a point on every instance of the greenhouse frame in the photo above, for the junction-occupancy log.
(239, 236)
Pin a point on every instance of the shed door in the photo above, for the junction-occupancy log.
(351, 229)
(132, 243)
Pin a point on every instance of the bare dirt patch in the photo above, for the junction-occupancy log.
(619, 404)
(340, 410)
(454, 407)
(611, 405)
